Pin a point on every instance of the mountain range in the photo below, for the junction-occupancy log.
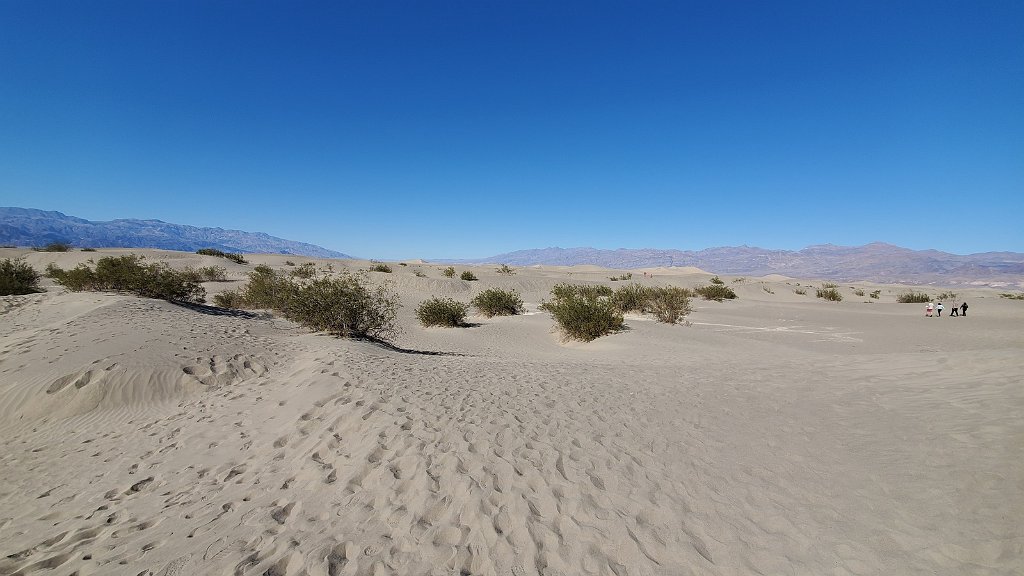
(877, 262)
(30, 227)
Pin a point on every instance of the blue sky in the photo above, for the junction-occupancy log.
(466, 129)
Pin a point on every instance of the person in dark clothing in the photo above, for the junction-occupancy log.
(963, 309)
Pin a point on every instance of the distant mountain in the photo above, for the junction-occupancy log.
(30, 227)
(878, 262)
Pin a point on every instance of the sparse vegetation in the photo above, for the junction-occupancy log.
(129, 274)
(289, 263)
(1009, 296)
(669, 304)
(948, 296)
(800, 291)
(88, 249)
(346, 305)
(419, 274)
(829, 285)
(497, 302)
(305, 271)
(858, 292)
(716, 292)
(18, 277)
(632, 298)
(449, 272)
(505, 270)
(741, 279)
(626, 276)
(442, 312)
(716, 280)
(911, 297)
(54, 247)
(584, 312)
(208, 274)
(767, 289)
(831, 294)
(467, 275)
(381, 267)
(236, 258)
(402, 264)
(875, 294)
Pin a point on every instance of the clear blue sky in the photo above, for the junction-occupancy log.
(466, 129)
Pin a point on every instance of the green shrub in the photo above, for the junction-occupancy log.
(669, 304)
(830, 294)
(717, 280)
(237, 258)
(800, 291)
(948, 296)
(381, 267)
(875, 294)
(716, 292)
(17, 277)
(54, 247)
(1010, 296)
(829, 285)
(268, 290)
(449, 272)
(505, 270)
(306, 270)
(468, 276)
(129, 274)
(419, 274)
(442, 312)
(497, 302)
(88, 249)
(911, 297)
(626, 276)
(229, 299)
(582, 314)
(208, 274)
(289, 263)
(632, 298)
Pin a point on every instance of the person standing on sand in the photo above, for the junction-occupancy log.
(938, 308)
(963, 309)
(953, 310)
(928, 310)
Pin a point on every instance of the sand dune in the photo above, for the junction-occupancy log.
(777, 434)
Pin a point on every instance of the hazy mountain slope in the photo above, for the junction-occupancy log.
(878, 262)
(30, 227)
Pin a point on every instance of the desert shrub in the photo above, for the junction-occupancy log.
(88, 249)
(306, 270)
(210, 274)
(1010, 296)
(767, 289)
(381, 267)
(442, 312)
(828, 285)
(911, 297)
(54, 247)
(229, 299)
(583, 314)
(346, 306)
(741, 279)
(289, 263)
(129, 274)
(17, 277)
(467, 275)
(858, 292)
(626, 276)
(946, 296)
(830, 294)
(419, 274)
(236, 258)
(632, 298)
(717, 280)
(449, 272)
(669, 304)
(402, 264)
(800, 291)
(505, 270)
(875, 294)
(498, 302)
(716, 292)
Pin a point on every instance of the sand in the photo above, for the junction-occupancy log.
(776, 434)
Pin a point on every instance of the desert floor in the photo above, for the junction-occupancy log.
(776, 434)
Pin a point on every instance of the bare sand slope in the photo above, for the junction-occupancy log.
(778, 434)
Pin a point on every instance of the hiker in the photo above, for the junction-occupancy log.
(963, 309)
(938, 308)
(954, 311)
(928, 309)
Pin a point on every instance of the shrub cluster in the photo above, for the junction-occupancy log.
(345, 305)
(129, 274)
(800, 291)
(442, 312)
(1011, 296)
(830, 294)
(716, 292)
(505, 270)
(875, 294)
(54, 247)
(717, 280)
(17, 277)
(948, 296)
(467, 275)
(626, 276)
(306, 270)
(236, 258)
(584, 312)
(497, 302)
(449, 272)
(911, 297)
(669, 304)
(858, 292)
(381, 267)
(208, 274)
